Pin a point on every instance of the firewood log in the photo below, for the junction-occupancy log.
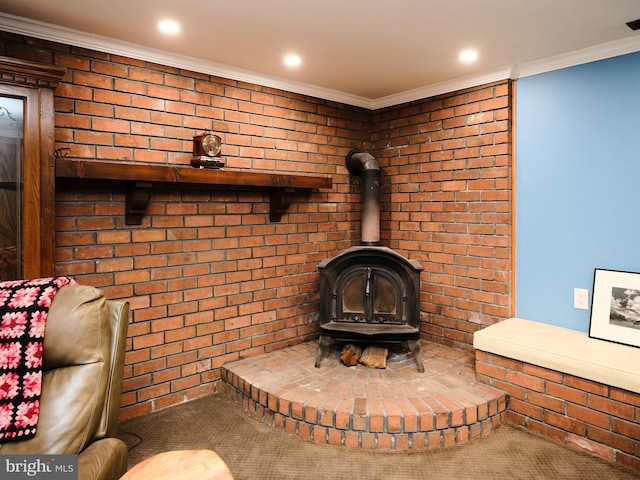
(374, 356)
(350, 354)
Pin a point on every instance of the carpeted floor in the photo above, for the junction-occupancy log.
(256, 451)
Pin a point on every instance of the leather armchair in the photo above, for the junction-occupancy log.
(83, 362)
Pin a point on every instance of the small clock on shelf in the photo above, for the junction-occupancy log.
(206, 148)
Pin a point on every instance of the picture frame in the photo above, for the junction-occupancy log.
(615, 307)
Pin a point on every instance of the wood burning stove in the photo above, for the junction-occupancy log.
(369, 293)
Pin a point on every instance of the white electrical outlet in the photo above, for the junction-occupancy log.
(581, 298)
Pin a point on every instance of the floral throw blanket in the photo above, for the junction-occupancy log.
(24, 305)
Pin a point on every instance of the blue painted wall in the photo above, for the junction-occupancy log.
(577, 184)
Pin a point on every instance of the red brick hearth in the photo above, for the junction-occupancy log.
(396, 408)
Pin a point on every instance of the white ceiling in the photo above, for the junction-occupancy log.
(369, 53)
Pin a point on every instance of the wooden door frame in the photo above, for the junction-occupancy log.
(34, 83)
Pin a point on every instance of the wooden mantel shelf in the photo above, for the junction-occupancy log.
(139, 178)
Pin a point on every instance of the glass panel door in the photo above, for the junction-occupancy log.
(11, 182)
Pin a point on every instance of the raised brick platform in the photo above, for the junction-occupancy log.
(396, 408)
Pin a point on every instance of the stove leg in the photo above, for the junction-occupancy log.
(324, 344)
(414, 346)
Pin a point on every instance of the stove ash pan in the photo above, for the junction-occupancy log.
(370, 294)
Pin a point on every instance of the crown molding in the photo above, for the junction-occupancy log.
(579, 57)
(442, 87)
(45, 31)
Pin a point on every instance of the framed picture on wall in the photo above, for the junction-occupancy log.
(615, 308)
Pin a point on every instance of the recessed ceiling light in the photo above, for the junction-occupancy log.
(169, 27)
(468, 56)
(292, 60)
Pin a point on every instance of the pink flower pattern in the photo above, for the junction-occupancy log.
(4, 296)
(38, 320)
(33, 355)
(27, 414)
(10, 355)
(13, 324)
(9, 385)
(47, 296)
(32, 384)
(24, 297)
(6, 415)
(24, 305)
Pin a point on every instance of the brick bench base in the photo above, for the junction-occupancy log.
(566, 386)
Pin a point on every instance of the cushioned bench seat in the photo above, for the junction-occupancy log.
(563, 350)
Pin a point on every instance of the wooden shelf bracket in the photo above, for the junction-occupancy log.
(280, 200)
(136, 202)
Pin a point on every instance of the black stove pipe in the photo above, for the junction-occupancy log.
(363, 165)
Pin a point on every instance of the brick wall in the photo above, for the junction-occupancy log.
(448, 204)
(209, 278)
(585, 415)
